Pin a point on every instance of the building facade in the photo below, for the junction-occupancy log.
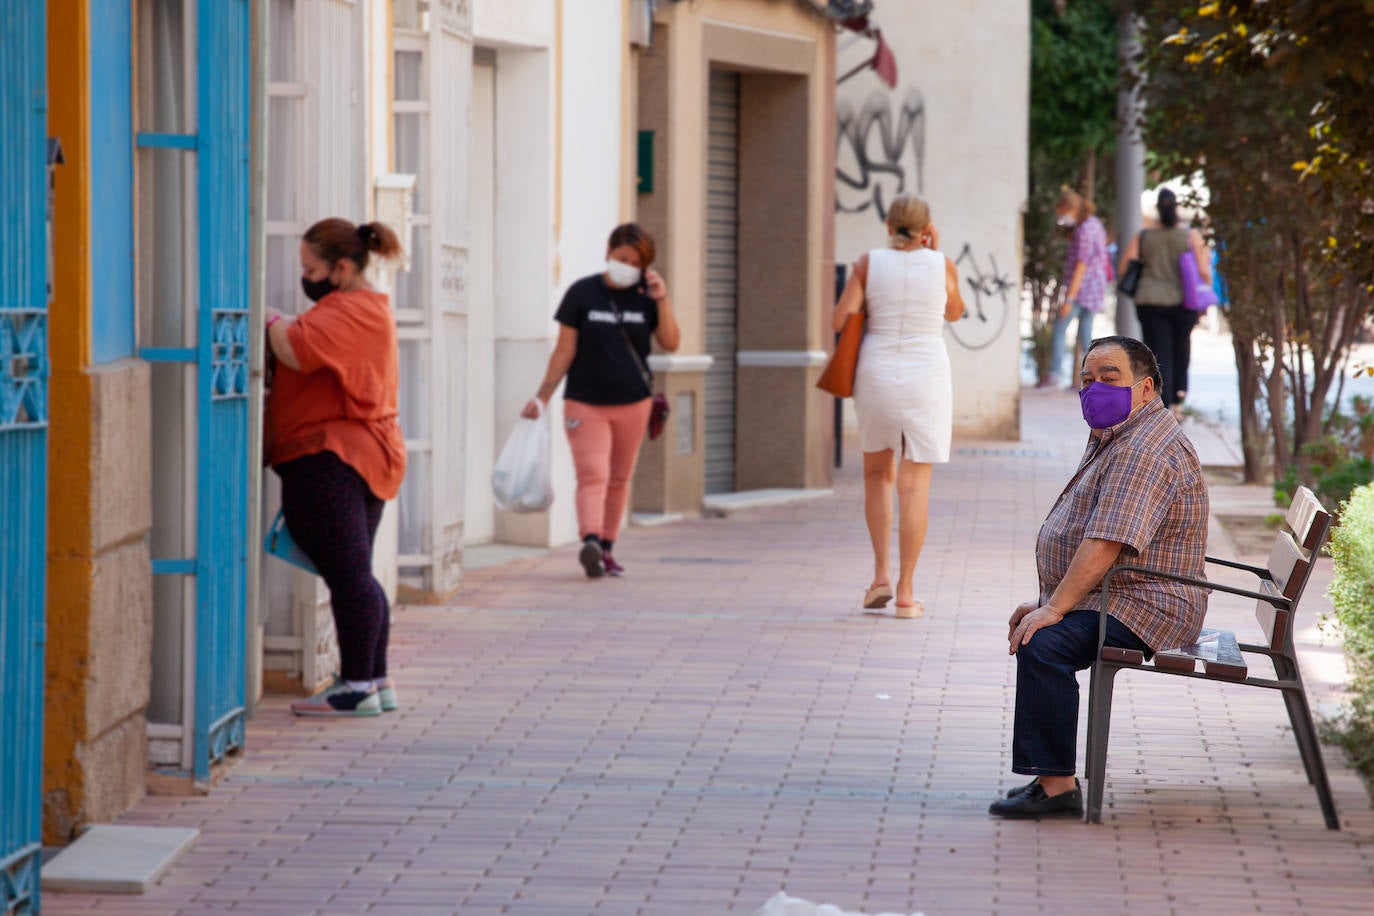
(503, 139)
(955, 131)
(734, 106)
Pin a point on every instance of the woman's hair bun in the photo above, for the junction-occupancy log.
(334, 239)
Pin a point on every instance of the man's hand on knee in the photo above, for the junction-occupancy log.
(1025, 624)
(1022, 609)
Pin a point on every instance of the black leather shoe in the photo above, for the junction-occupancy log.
(1034, 803)
(1022, 790)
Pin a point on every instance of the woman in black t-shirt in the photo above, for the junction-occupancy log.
(607, 322)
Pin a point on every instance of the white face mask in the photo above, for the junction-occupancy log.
(1065, 221)
(621, 275)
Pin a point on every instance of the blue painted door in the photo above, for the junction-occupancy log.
(209, 639)
(222, 356)
(23, 444)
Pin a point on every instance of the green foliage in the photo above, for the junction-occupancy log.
(1325, 47)
(1073, 78)
(1072, 133)
(1337, 463)
(1297, 304)
(1352, 602)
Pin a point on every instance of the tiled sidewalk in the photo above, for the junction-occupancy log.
(724, 723)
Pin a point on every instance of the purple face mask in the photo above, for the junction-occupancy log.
(1105, 405)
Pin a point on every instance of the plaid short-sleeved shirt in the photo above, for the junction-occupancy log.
(1139, 484)
(1089, 248)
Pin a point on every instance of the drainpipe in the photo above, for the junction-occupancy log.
(257, 267)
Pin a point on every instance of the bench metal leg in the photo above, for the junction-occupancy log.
(1099, 727)
(1305, 731)
(1293, 702)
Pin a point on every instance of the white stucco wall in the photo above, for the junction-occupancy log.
(591, 170)
(956, 129)
(518, 23)
(555, 202)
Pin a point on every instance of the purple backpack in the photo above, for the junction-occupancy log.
(1198, 295)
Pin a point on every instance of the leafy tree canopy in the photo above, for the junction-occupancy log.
(1321, 51)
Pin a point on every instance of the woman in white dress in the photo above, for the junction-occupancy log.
(903, 391)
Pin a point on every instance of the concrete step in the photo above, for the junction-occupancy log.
(109, 859)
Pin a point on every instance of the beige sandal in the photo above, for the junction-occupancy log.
(877, 597)
(910, 611)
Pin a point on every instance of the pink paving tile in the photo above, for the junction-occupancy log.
(708, 730)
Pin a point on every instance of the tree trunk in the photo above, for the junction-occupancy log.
(1090, 175)
(1275, 382)
(1248, 381)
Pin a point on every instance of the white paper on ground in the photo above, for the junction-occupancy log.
(782, 905)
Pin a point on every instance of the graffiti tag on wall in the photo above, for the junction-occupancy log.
(879, 153)
(987, 301)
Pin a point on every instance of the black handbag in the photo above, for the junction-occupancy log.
(1130, 277)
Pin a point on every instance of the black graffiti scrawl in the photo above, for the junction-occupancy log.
(987, 301)
(879, 153)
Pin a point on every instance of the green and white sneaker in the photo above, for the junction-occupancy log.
(386, 693)
(339, 700)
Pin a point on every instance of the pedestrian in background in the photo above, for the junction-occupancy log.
(1166, 326)
(606, 324)
(334, 440)
(903, 390)
(1084, 283)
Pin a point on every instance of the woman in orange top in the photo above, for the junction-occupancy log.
(334, 440)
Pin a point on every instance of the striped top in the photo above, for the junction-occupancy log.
(1139, 484)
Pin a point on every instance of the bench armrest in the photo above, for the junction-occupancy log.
(1257, 570)
(1277, 601)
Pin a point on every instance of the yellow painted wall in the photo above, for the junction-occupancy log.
(70, 563)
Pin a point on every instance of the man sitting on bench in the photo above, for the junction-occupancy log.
(1137, 498)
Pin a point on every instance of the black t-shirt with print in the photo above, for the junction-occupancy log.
(604, 371)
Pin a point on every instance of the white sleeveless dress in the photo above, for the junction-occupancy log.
(903, 392)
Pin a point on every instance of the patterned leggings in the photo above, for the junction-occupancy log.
(333, 517)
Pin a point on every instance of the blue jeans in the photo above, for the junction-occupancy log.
(1058, 348)
(1045, 733)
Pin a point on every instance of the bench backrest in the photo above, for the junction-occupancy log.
(1290, 564)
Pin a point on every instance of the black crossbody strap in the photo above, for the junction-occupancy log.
(643, 370)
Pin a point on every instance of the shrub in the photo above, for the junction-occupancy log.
(1352, 602)
(1334, 465)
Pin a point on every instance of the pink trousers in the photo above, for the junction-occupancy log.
(605, 444)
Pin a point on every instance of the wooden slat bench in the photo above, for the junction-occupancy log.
(1279, 588)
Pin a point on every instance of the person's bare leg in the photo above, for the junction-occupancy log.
(913, 504)
(878, 478)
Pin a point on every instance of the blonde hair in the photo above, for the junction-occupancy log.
(907, 218)
(1071, 200)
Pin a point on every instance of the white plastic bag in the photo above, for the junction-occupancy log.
(782, 905)
(522, 479)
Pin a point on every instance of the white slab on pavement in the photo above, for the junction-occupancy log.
(730, 503)
(109, 859)
(497, 555)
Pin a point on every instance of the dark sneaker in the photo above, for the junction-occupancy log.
(592, 559)
(1035, 804)
(612, 567)
(337, 700)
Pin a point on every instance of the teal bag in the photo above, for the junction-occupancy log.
(280, 545)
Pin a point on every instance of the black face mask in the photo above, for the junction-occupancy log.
(316, 290)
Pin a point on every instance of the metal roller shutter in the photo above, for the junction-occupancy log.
(722, 243)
